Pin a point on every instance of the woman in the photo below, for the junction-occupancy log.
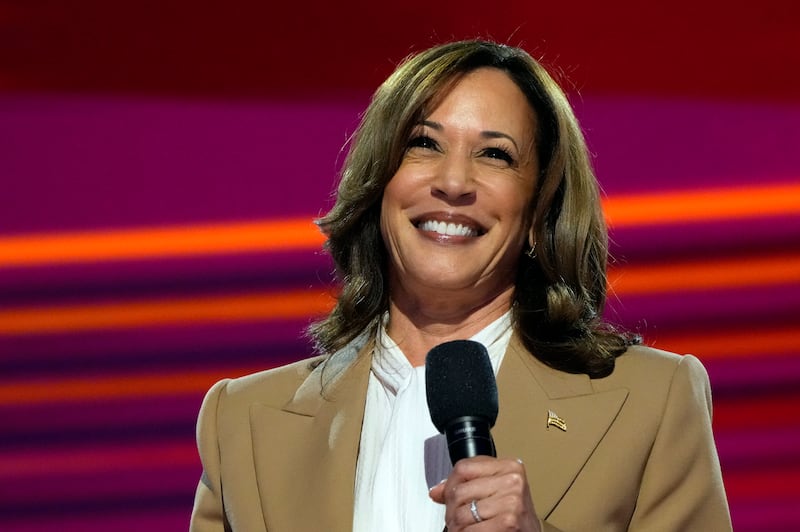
(467, 208)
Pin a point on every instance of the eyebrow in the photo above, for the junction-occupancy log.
(484, 134)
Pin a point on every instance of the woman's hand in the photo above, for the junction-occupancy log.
(499, 490)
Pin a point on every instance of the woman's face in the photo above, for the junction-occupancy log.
(453, 217)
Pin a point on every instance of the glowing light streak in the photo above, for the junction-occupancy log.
(703, 205)
(159, 312)
(705, 275)
(159, 242)
(264, 236)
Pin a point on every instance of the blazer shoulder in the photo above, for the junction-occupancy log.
(642, 358)
(273, 387)
(653, 370)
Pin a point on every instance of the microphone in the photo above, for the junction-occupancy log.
(462, 397)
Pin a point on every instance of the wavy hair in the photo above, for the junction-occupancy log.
(560, 294)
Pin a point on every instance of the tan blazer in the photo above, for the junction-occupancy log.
(637, 453)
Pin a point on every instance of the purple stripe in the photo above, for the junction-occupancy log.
(736, 377)
(764, 514)
(107, 422)
(115, 489)
(777, 305)
(91, 162)
(751, 448)
(641, 145)
(263, 343)
(164, 277)
(153, 518)
(85, 163)
(713, 239)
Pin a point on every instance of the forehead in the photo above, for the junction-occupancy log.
(485, 96)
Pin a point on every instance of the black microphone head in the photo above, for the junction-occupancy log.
(459, 382)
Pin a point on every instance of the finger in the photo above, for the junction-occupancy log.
(461, 517)
(459, 499)
(484, 466)
(477, 466)
(482, 480)
(467, 517)
(437, 492)
(504, 513)
(475, 513)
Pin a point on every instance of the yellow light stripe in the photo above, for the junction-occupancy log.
(159, 242)
(160, 312)
(702, 205)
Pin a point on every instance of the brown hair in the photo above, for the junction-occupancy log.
(559, 295)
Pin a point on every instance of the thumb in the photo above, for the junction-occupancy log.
(436, 493)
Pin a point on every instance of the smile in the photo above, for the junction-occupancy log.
(448, 228)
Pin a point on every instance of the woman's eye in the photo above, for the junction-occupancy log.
(499, 153)
(422, 141)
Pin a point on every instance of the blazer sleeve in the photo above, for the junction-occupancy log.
(682, 486)
(208, 514)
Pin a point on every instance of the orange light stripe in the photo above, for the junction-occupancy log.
(50, 390)
(706, 275)
(43, 320)
(734, 343)
(300, 234)
(702, 205)
(159, 242)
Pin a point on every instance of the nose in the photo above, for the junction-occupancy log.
(454, 181)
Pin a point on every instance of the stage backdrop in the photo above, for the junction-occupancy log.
(161, 164)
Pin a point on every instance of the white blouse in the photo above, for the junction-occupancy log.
(401, 454)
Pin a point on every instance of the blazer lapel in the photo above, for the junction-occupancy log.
(528, 391)
(305, 453)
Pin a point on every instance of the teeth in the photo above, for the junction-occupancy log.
(449, 229)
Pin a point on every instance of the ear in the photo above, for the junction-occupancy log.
(531, 237)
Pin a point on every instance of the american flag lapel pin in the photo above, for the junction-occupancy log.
(553, 420)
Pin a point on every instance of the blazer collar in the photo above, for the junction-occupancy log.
(528, 392)
(315, 455)
(331, 378)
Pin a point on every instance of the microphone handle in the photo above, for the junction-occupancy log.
(469, 436)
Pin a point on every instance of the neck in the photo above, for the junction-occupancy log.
(417, 325)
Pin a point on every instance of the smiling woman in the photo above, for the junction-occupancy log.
(454, 217)
(467, 209)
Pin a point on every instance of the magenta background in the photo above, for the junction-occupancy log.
(82, 146)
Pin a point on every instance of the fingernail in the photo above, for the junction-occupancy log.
(439, 484)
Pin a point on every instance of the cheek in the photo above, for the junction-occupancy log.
(516, 204)
(391, 209)
(400, 186)
(401, 192)
(515, 198)
(384, 223)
